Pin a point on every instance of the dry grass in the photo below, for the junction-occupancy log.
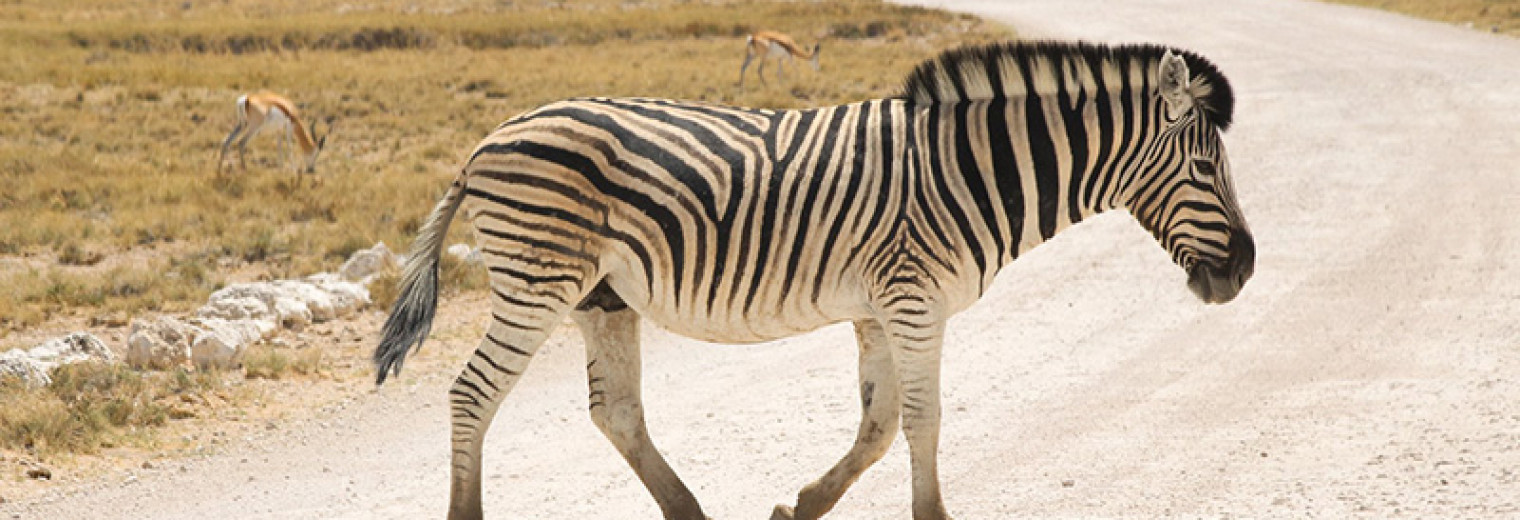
(270, 362)
(1501, 16)
(114, 112)
(89, 406)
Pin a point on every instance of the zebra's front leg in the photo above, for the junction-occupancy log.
(516, 332)
(613, 376)
(916, 344)
(879, 406)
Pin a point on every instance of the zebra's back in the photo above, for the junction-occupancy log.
(710, 221)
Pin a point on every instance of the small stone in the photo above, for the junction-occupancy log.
(147, 465)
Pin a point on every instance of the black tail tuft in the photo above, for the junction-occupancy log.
(412, 316)
(409, 323)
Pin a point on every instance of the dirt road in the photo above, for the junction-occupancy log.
(1371, 367)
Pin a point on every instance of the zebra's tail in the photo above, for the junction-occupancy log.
(412, 316)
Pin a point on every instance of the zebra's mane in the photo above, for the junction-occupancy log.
(1012, 69)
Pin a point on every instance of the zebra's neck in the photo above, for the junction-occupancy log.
(1023, 169)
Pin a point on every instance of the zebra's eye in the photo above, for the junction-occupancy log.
(1204, 168)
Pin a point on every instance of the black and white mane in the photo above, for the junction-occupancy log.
(1014, 69)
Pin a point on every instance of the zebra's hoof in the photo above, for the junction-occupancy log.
(782, 512)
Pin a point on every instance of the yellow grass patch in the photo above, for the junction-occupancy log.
(1501, 16)
(115, 110)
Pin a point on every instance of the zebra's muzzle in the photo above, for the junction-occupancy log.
(1220, 284)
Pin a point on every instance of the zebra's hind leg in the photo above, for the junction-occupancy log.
(525, 309)
(611, 330)
(879, 407)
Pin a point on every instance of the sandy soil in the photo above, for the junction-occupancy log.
(1369, 369)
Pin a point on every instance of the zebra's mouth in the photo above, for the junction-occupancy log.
(1214, 284)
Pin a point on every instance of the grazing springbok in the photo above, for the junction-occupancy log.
(266, 109)
(774, 45)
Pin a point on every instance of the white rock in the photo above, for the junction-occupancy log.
(15, 364)
(345, 297)
(366, 263)
(292, 313)
(34, 365)
(465, 253)
(317, 301)
(159, 344)
(240, 301)
(221, 343)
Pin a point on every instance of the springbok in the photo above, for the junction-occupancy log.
(771, 44)
(266, 109)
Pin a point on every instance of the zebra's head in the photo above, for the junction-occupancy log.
(1183, 194)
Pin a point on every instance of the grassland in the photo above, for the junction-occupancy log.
(1500, 16)
(113, 113)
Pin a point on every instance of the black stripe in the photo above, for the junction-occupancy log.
(532, 279)
(544, 183)
(768, 216)
(667, 220)
(507, 346)
(888, 153)
(525, 257)
(494, 365)
(726, 114)
(823, 165)
(1042, 154)
(512, 324)
(976, 180)
(1006, 172)
(847, 205)
(471, 367)
(1107, 133)
(1076, 143)
(519, 302)
(535, 243)
(1145, 120)
(471, 386)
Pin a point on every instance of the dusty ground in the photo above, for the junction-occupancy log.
(1369, 369)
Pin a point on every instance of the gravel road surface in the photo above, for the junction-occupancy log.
(1371, 368)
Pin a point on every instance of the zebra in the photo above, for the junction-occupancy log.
(744, 225)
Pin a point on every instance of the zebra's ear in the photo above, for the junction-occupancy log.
(1174, 83)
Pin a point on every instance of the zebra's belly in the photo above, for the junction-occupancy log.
(735, 329)
(744, 320)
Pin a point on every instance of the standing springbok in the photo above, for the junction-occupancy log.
(771, 44)
(266, 109)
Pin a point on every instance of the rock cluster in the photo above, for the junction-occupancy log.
(233, 318)
(35, 365)
(240, 315)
